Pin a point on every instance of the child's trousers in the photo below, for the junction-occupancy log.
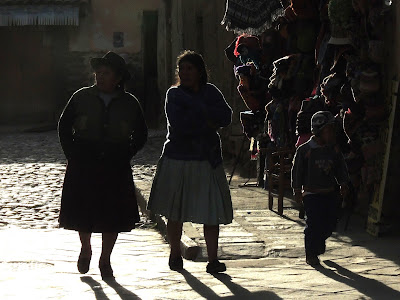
(322, 213)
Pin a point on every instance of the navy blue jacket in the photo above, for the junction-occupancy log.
(317, 169)
(192, 122)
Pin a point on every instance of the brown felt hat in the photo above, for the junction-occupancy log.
(114, 61)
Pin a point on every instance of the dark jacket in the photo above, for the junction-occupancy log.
(89, 130)
(317, 169)
(192, 122)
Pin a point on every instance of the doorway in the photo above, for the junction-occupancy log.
(29, 82)
(152, 101)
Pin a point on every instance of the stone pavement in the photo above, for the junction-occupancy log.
(32, 168)
(263, 251)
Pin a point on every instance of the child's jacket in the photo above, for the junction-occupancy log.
(317, 169)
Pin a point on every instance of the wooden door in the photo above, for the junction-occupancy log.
(152, 103)
(28, 83)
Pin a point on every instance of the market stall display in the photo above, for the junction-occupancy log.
(325, 55)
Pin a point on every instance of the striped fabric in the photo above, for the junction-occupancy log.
(50, 15)
(251, 16)
(26, 2)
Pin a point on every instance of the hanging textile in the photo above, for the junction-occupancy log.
(53, 15)
(251, 16)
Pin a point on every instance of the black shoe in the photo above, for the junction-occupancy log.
(313, 260)
(216, 267)
(84, 263)
(175, 264)
(302, 213)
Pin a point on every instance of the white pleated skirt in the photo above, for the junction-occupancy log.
(191, 191)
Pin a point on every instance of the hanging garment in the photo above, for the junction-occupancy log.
(277, 123)
(304, 77)
(283, 70)
(251, 88)
(322, 44)
(340, 13)
(376, 51)
(305, 9)
(372, 149)
(252, 102)
(252, 122)
(251, 16)
(331, 87)
(229, 52)
(248, 49)
(376, 113)
(273, 46)
(347, 97)
(339, 60)
(354, 162)
(308, 108)
(293, 109)
(370, 81)
(294, 75)
(351, 123)
(302, 36)
(326, 63)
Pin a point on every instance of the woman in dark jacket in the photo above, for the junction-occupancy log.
(101, 129)
(190, 183)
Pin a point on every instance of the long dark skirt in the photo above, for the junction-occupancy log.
(98, 197)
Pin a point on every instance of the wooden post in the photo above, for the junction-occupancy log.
(375, 208)
(281, 188)
(270, 180)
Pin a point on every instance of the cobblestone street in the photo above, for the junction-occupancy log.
(264, 252)
(32, 168)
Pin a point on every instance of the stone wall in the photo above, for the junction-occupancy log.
(104, 18)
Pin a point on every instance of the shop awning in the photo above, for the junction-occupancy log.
(251, 16)
(40, 12)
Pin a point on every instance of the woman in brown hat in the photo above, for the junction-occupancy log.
(101, 129)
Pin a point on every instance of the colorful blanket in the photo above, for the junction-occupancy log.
(251, 16)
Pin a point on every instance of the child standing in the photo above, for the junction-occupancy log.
(317, 169)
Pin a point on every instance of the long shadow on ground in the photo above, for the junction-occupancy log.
(238, 291)
(96, 287)
(387, 246)
(122, 292)
(367, 286)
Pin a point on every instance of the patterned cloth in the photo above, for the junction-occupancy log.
(251, 16)
(277, 118)
(54, 15)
